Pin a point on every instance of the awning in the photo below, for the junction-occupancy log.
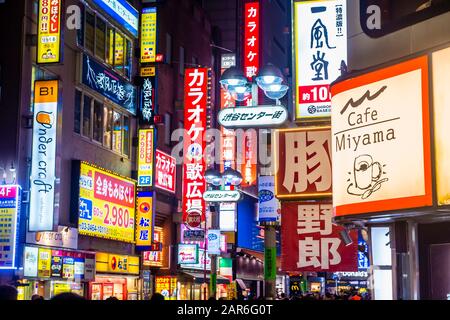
(198, 277)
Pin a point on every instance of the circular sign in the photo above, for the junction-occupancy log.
(113, 263)
(194, 218)
(144, 207)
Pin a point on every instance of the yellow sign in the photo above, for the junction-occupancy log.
(148, 72)
(167, 286)
(44, 263)
(49, 31)
(60, 287)
(148, 35)
(116, 263)
(145, 160)
(107, 204)
(144, 218)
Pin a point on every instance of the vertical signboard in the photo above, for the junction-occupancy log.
(49, 32)
(381, 140)
(148, 35)
(251, 39)
(144, 219)
(148, 92)
(249, 157)
(155, 258)
(165, 171)
(196, 97)
(303, 163)
(213, 242)
(311, 242)
(320, 36)
(42, 189)
(9, 223)
(268, 204)
(145, 158)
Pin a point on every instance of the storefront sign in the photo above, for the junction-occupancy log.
(381, 140)
(44, 263)
(66, 237)
(196, 93)
(268, 204)
(10, 204)
(227, 60)
(145, 158)
(167, 286)
(107, 204)
(43, 166)
(147, 71)
(144, 220)
(109, 84)
(30, 264)
(204, 261)
(259, 116)
(148, 97)
(311, 242)
(49, 32)
(363, 256)
(251, 39)
(303, 163)
(121, 12)
(214, 242)
(227, 214)
(248, 156)
(165, 171)
(193, 235)
(155, 258)
(222, 196)
(187, 253)
(320, 32)
(116, 263)
(148, 35)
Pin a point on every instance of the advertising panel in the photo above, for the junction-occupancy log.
(165, 171)
(196, 103)
(167, 286)
(107, 204)
(311, 241)
(187, 253)
(248, 157)
(251, 39)
(44, 263)
(155, 258)
(214, 242)
(49, 31)
(121, 12)
(381, 140)
(144, 219)
(268, 204)
(30, 264)
(148, 100)
(204, 261)
(303, 163)
(116, 263)
(66, 237)
(320, 37)
(258, 116)
(43, 166)
(10, 204)
(145, 158)
(148, 35)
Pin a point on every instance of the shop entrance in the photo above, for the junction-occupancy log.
(102, 291)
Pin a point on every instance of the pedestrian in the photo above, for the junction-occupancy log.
(157, 297)
(112, 298)
(8, 292)
(37, 297)
(68, 296)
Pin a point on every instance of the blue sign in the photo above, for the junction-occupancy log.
(109, 84)
(122, 12)
(85, 209)
(363, 262)
(268, 204)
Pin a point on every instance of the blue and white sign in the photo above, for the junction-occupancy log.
(268, 204)
(123, 13)
(109, 84)
(363, 262)
(214, 242)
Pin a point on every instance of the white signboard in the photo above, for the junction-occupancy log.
(260, 116)
(203, 259)
(66, 237)
(228, 216)
(30, 265)
(320, 33)
(187, 253)
(268, 203)
(214, 242)
(380, 140)
(222, 196)
(42, 189)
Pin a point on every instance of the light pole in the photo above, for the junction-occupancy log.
(217, 181)
(271, 81)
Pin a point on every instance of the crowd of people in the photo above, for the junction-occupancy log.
(349, 295)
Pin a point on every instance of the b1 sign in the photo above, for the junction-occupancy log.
(320, 33)
(260, 116)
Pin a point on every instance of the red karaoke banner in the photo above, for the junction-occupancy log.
(165, 171)
(311, 242)
(195, 104)
(251, 39)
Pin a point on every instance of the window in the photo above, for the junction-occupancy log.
(89, 33)
(126, 135)
(87, 102)
(168, 48)
(98, 122)
(128, 56)
(77, 112)
(181, 59)
(117, 132)
(119, 52)
(110, 47)
(107, 126)
(100, 38)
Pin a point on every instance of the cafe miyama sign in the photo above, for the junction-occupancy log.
(381, 140)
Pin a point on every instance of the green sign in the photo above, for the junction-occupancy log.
(213, 284)
(270, 263)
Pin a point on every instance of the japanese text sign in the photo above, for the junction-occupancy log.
(187, 253)
(249, 153)
(165, 171)
(303, 162)
(148, 98)
(10, 203)
(148, 35)
(116, 263)
(43, 163)
(311, 242)
(155, 258)
(320, 34)
(381, 140)
(260, 116)
(49, 31)
(251, 39)
(145, 158)
(268, 203)
(204, 262)
(107, 204)
(213, 243)
(144, 219)
(196, 95)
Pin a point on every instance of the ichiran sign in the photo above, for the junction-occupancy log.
(260, 116)
(381, 140)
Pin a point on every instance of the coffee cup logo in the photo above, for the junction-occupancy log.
(44, 118)
(366, 176)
